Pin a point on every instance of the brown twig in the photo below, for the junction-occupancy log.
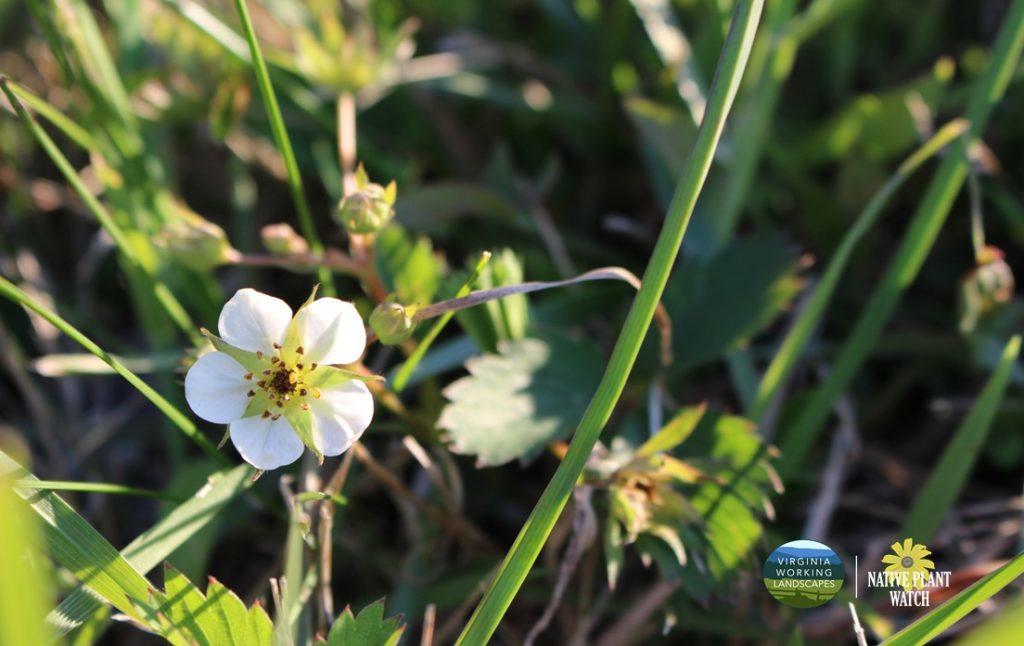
(629, 624)
(452, 523)
(325, 535)
(584, 530)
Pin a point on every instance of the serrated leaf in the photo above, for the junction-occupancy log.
(514, 403)
(185, 606)
(407, 265)
(155, 544)
(716, 305)
(368, 628)
(219, 617)
(727, 448)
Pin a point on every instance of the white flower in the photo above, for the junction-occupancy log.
(271, 382)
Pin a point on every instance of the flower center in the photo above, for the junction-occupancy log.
(906, 561)
(281, 384)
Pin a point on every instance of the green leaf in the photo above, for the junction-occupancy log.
(505, 319)
(613, 552)
(219, 617)
(728, 449)
(716, 305)
(879, 126)
(514, 403)
(368, 628)
(25, 585)
(939, 493)
(408, 266)
(675, 432)
(154, 545)
(943, 617)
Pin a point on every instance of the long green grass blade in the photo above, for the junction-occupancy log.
(535, 532)
(11, 292)
(924, 227)
(947, 478)
(158, 542)
(81, 549)
(793, 345)
(943, 617)
(74, 132)
(25, 591)
(92, 487)
(163, 295)
(284, 145)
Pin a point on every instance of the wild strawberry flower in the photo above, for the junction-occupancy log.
(271, 378)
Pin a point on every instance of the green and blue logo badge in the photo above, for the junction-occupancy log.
(803, 574)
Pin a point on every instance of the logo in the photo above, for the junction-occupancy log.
(803, 574)
(909, 575)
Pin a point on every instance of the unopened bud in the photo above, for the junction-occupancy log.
(987, 287)
(195, 242)
(368, 209)
(392, 322)
(282, 240)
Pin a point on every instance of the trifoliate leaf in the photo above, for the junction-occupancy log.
(515, 402)
(368, 628)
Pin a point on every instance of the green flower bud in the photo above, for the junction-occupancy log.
(195, 242)
(282, 240)
(392, 322)
(368, 209)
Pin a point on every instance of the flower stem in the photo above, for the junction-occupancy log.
(535, 532)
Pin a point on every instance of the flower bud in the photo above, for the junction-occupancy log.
(392, 322)
(282, 240)
(987, 287)
(195, 242)
(368, 209)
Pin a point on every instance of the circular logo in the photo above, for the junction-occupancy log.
(803, 574)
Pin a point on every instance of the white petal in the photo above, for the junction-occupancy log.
(215, 388)
(340, 416)
(331, 331)
(264, 443)
(254, 321)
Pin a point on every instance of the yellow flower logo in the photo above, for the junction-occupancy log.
(910, 558)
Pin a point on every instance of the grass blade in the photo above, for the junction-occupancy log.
(793, 345)
(163, 295)
(24, 590)
(284, 144)
(158, 542)
(924, 227)
(91, 487)
(943, 617)
(948, 477)
(81, 549)
(538, 526)
(11, 292)
(72, 130)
